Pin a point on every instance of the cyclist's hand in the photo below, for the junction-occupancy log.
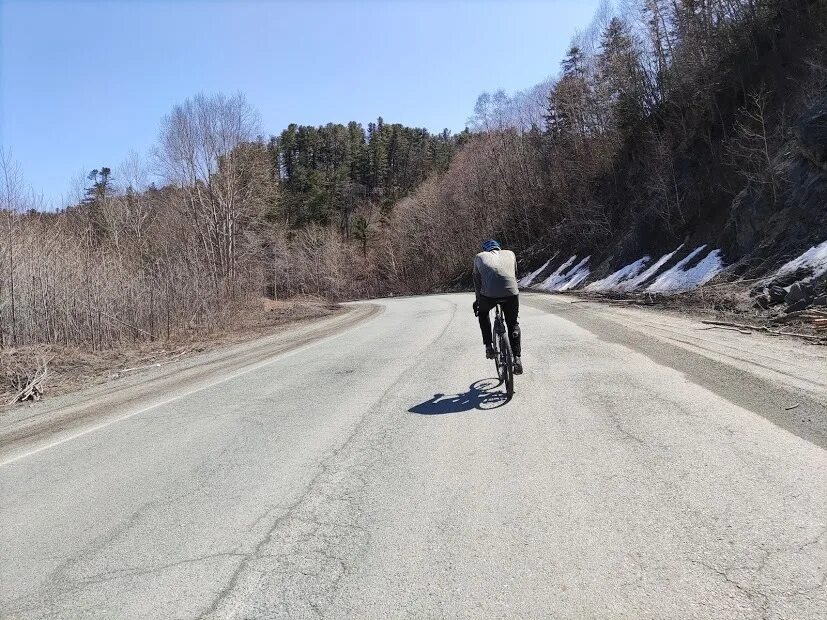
(476, 307)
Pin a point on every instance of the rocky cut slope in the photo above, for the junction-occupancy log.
(775, 248)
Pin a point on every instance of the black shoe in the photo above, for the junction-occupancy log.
(490, 353)
(518, 366)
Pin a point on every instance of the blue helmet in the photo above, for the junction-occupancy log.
(489, 245)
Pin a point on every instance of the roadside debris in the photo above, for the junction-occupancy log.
(30, 387)
(741, 327)
(122, 371)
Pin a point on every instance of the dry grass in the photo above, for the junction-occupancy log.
(73, 368)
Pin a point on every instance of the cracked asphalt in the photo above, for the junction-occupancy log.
(645, 468)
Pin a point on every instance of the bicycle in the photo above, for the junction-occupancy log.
(503, 355)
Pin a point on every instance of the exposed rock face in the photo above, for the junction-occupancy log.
(811, 132)
(762, 233)
(748, 218)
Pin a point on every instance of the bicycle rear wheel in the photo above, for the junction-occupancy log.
(499, 366)
(507, 364)
(495, 342)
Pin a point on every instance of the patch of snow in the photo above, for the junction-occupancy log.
(815, 258)
(576, 275)
(613, 281)
(636, 282)
(562, 280)
(552, 278)
(679, 279)
(526, 281)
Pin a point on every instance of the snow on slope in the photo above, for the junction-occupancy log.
(637, 276)
(635, 283)
(613, 281)
(680, 279)
(554, 277)
(526, 281)
(563, 280)
(576, 275)
(815, 258)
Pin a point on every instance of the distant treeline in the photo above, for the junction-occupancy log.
(327, 172)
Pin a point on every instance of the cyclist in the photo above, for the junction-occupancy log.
(495, 282)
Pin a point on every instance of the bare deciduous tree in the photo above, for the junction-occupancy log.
(755, 142)
(200, 152)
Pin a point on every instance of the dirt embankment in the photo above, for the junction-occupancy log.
(68, 369)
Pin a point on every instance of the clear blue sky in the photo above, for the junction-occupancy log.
(83, 83)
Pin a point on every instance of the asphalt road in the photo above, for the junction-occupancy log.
(645, 468)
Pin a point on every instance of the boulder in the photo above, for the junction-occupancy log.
(776, 294)
(821, 300)
(798, 292)
(801, 304)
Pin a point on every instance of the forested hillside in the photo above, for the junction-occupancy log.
(672, 122)
(694, 122)
(217, 217)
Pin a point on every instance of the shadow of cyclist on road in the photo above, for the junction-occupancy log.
(478, 396)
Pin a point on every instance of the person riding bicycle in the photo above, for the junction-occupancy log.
(495, 282)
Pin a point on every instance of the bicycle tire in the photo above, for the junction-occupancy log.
(495, 342)
(508, 365)
(499, 366)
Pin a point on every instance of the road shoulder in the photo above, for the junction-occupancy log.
(782, 380)
(28, 428)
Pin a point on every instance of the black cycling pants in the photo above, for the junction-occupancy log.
(511, 310)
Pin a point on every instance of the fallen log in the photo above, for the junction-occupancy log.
(736, 325)
(805, 315)
(732, 329)
(794, 335)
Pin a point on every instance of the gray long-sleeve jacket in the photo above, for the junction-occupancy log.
(495, 274)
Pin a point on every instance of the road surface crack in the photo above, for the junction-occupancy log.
(758, 599)
(310, 548)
